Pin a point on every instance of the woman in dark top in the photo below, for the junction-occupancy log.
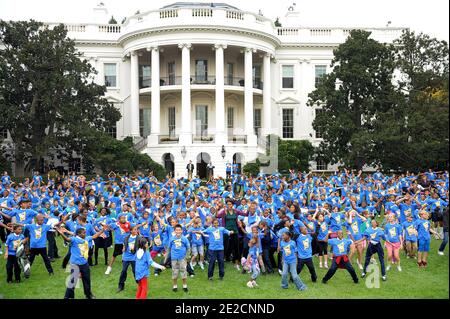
(229, 216)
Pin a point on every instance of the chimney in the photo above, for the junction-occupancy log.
(100, 13)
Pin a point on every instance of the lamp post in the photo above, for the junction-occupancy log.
(223, 152)
(183, 152)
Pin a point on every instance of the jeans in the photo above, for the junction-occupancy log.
(123, 274)
(292, 269)
(213, 255)
(43, 252)
(334, 267)
(85, 272)
(444, 241)
(266, 257)
(231, 246)
(371, 250)
(309, 263)
(255, 270)
(12, 264)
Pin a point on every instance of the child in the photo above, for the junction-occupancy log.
(215, 235)
(374, 235)
(179, 248)
(197, 243)
(323, 230)
(423, 236)
(394, 241)
(128, 257)
(340, 247)
(304, 251)
(253, 254)
(410, 235)
(121, 229)
(13, 241)
(79, 251)
(289, 249)
(38, 241)
(156, 239)
(143, 262)
(353, 226)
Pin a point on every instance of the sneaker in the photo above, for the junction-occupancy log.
(192, 275)
(201, 266)
(210, 278)
(185, 289)
(156, 275)
(280, 272)
(320, 265)
(363, 275)
(255, 284)
(383, 278)
(419, 263)
(1, 252)
(249, 284)
(119, 290)
(325, 266)
(399, 268)
(388, 267)
(360, 266)
(440, 253)
(191, 264)
(108, 270)
(238, 268)
(175, 289)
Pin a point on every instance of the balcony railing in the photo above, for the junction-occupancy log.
(203, 138)
(237, 139)
(203, 79)
(168, 139)
(232, 81)
(170, 80)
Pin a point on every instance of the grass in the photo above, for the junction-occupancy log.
(412, 282)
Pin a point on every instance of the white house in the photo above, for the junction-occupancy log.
(202, 81)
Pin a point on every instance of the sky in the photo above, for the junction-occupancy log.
(431, 16)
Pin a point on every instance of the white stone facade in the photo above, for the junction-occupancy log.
(197, 77)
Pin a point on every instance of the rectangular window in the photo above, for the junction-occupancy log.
(201, 117)
(112, 130)
(318, 132)
(3, 133)
(201, 70)
(321, 165)
(287, 77)
(257, 121)
(171, 72)
(230, 74)
(320, 71)
(110, 70)
(257, 77)
(171, 119)
(145, 76)
(144, 122)
(288, 123)
(230, 120)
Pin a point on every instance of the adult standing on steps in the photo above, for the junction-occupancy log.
(190, 170)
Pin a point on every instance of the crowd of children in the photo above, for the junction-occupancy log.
(262, 224)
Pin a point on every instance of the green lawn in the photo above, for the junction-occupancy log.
(413, 282)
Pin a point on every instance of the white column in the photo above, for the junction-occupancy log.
(267, 125)
(186, 132)
(156, 104)
(248, 96)
(220, 137)
(134, 94)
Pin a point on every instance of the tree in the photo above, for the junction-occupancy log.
(424, 64)
(353, 96)
(49, 102)
(110, 154)
(292, 154)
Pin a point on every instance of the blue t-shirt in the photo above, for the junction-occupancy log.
(24, 216)
(393, 232)
(79, 250)
(336, 220)
(178, 247)
(216, 237)
(304, 247)
(38, 235)
(142, 266)
(340, 246)
(374, 234)
(196, 238)
(13, 241)
(423, 229)
(354, 228)
(288, 250)
(119, 233)
(409, 231)
(128, 255)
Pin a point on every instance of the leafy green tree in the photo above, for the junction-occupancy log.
(49, 102)
(352, 96)
(109, 154)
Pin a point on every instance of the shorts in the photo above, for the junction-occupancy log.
(392, 245)
(179, 268)
(118, 250)
(424, 245)
(322, 247)
(197, 250)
